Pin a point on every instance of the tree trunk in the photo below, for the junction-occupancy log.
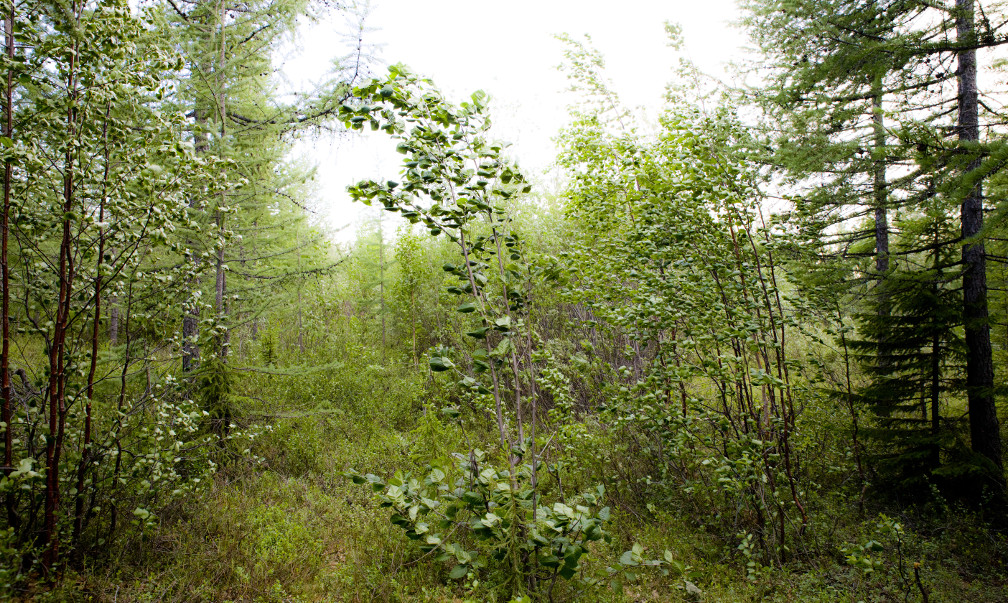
(113, 320)
(85, 459)
(221, 287)
(297, 245)
(222, 200)
(879, 187)
(190, 321)
(5, 384)
(56, 392)
(117, 429)
(381, 277)
(985, 434)
(880, 194)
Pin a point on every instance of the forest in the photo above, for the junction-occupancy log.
(753, 350)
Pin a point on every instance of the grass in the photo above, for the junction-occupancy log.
(282, 524)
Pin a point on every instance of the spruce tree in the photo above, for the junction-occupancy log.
(913, 354)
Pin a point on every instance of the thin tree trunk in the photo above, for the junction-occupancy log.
(222, 200)
(117, 471)
(985, 435)
(190, 321)
(880, 187)
(5, 383)
(935, 388)
(221, 289)
(113, 320)
(85, 459)
(416, 360)
(881, 194)
(852, 409)
(297, 245)
(57, 359)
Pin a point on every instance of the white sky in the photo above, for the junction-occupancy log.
(507, 49)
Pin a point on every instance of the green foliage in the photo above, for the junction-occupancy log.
(491, 527)
(214, 393)
(628, 367)
(455, 184)
(282, 541)
(858, 106)
(673, 253)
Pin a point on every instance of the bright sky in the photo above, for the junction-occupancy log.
(507, 49)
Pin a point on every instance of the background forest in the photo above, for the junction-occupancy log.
(754, 350)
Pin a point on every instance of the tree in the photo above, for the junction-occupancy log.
(830, 69)
(985, 433)
(254, 230)
(901, 57)
(5, 280)
(671, 252)
(914, 356)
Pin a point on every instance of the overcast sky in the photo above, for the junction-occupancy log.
(507, 49)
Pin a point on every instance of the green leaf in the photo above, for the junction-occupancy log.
(472, 498)
(440, 363)
(458, 572)
(467, 307)
(479, 333)
(376, 482)
(572, 555)
(503, 348)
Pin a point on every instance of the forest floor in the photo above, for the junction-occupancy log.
(284, 524)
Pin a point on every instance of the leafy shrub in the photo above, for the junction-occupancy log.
(491, 526)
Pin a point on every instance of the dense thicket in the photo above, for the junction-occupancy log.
(876, 131)
(745, 352)
(121, 170)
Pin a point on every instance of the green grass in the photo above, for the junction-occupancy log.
(289, 527)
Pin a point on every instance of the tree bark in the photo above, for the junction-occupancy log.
(297, 245)
(190, 321)
(381, 277)
(985, 435)
(113, 319)
(8, 132)
(85, 459)
(57, 352)
(879, 184)
(221, 285)
(5, 383)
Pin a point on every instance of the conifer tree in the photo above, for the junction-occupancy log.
(249, 239)
(913, 355)
(915, 63)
